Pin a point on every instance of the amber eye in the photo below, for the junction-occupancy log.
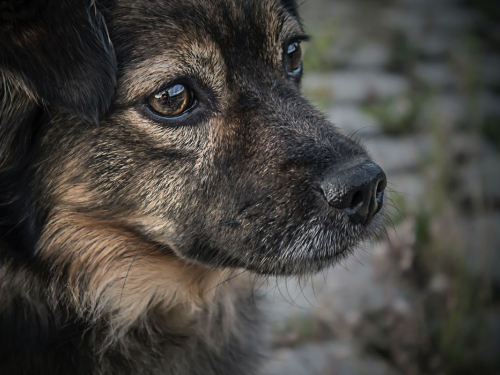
(172, 101)
(294, 58)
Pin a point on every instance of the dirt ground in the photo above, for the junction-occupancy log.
(418, 82)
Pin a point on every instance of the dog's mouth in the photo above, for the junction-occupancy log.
(311, 248)
(315, 245)
(280, 240)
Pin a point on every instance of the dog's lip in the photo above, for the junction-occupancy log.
(315, 262)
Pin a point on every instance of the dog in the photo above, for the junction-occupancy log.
(156, 157)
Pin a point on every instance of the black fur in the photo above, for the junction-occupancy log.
(291, 6)
(60, 50)
(52, 53)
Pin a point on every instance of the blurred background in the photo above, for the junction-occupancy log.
(418, 82)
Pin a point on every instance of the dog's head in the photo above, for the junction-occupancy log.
(208, 149)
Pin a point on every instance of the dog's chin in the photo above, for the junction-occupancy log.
(306, 251)
(301, 261)
(298, 266)
(314, 249)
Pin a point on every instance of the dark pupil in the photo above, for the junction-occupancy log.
(294, 56)
(173, 101)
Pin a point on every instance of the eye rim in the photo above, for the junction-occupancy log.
(193, 102)
(297, 73)
(206, 104)
(297, 50)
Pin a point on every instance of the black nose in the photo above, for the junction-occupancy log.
(356, 188)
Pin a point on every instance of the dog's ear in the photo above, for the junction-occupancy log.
(53, 54)
(60, 52)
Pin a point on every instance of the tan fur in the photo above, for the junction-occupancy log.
(112, 272)
(202, 55)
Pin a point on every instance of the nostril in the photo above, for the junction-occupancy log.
(380, 187)
(358, 190)
(356, 200)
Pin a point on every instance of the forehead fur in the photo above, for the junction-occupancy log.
(190, 37)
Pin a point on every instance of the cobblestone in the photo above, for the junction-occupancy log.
(356, 85)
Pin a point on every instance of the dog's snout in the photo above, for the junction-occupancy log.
(356, 189)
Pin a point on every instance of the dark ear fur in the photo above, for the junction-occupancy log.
(53, 53)
(291, 6)
(60, 51)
